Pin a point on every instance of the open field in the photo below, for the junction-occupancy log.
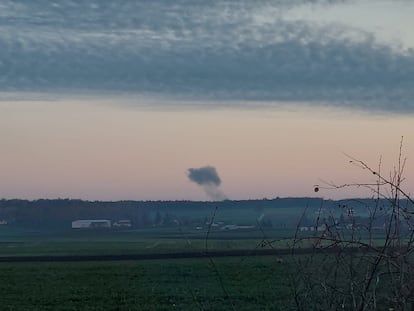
(15, 242)
(102, 242)
(198, 283)
(244, 283)
(185, 284)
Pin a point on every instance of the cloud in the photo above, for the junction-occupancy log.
(206, 175)
(208, 178)
(222, 50)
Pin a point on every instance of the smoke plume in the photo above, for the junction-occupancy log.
(208, 178)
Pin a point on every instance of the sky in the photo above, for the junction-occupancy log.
(104, 100)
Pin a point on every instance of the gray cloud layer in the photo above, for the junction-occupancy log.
(212, 50)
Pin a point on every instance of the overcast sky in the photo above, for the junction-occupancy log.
(117, 99)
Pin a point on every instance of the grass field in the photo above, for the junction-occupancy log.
(234, 283)
(108, 242)
(253, 283)
(229, 283)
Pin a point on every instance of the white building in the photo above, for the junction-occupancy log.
(124, 223)
(91, 223)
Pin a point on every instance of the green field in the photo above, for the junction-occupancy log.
(253, 283)
(229, 283)
(15, 242)
(232, 283)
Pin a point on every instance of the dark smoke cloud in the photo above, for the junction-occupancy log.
(206, 175)
(208, 178)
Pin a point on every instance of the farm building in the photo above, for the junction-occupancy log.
(124, 223)
(235, 227)
(91, 223)
(313, 228)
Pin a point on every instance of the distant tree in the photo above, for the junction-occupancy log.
(158, 218)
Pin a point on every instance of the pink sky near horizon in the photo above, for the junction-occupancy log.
(106, 150)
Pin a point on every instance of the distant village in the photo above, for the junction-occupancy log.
(126, 223)
(100, 223)
(303, 214)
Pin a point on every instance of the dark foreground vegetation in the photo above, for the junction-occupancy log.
(256, 283)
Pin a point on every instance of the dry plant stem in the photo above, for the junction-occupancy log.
(213, 263)
(190, 288)
(353, 266)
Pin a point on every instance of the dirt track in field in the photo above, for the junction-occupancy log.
(75, 258)
(178, 255)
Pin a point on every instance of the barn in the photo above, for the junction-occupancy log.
(91, 223)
